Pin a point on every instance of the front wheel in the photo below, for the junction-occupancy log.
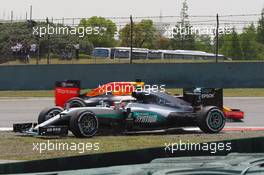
(211, 120)
(75, 102)
(84, 124)
(48, 113)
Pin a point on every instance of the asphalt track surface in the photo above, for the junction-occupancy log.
(17, 110)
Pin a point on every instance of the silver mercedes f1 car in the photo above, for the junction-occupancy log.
(147, 111)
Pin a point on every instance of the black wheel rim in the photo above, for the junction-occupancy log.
(87, 124)
(215, 120)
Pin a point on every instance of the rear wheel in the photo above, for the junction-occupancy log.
(84, 124)
(211, 120)
(48, 113)
(75, 103)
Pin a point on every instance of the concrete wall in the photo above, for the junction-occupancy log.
(226, 75)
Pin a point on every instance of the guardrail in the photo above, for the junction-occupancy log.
(225, 75)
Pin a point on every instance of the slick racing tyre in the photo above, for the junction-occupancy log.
(48, 113)
(75, 102)
(84, 124)
(211, 120)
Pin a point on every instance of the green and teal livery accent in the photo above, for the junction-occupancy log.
(111, 116)
(148, 117)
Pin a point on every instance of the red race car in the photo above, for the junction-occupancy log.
(67, 93)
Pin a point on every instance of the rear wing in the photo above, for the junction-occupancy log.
(204, 96)
(65, 90)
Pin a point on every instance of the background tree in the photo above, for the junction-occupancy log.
(184, 38)
(248, 43)
(260, 36)
(21, 32)
(260, 28)
(144, 35)
(13, 33)
(231, 46)
(107, 31)
(204, 43)
(162, 43)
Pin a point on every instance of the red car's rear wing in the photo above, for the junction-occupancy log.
(65, 90)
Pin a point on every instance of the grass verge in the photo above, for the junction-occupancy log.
(15, 147)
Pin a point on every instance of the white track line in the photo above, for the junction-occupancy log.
(229, 128)
(6, 129)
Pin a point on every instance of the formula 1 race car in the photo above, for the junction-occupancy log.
(155, 110)
(67, 93)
